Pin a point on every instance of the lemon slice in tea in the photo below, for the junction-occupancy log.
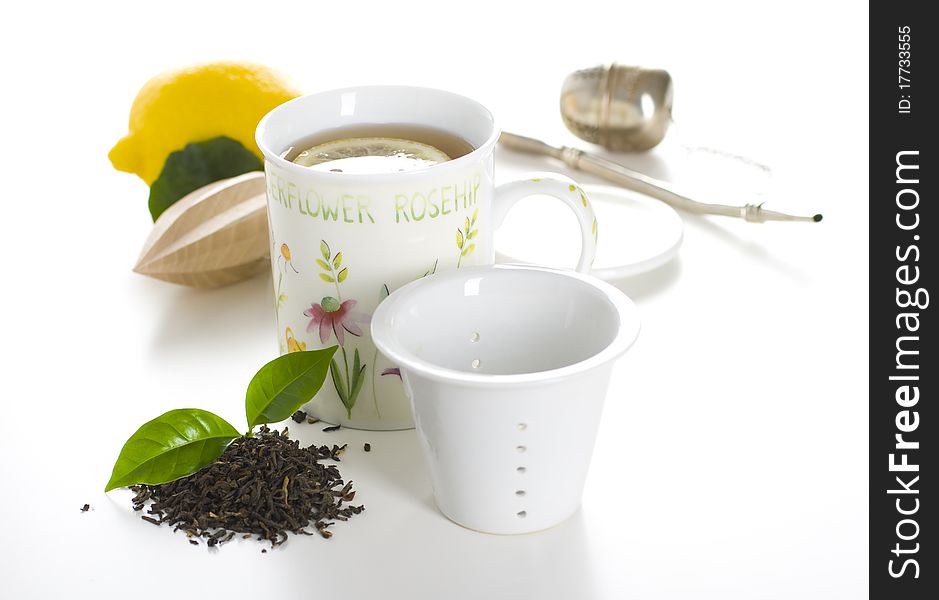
(370, 155)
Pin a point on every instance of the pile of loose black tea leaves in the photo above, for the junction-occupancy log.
(266, 485)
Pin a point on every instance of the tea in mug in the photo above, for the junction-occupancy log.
(371, 149)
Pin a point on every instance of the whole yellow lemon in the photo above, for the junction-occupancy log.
(196, 104)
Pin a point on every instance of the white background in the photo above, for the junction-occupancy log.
(732, 457)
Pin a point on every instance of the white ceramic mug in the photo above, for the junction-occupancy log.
(341, 242)
(508, 397)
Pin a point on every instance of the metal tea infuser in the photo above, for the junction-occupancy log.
(627, 109)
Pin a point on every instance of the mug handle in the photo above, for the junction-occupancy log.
(560, 187)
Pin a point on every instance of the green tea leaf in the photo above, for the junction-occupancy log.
(285, 384)
(342, 275)
(323, 264)
(468, 249)
(338, 260)
(196, 165)
(327, 278)
(466, 225)
(324, 249)
(173, 445)
(459, 239)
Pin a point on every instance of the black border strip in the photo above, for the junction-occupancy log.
(903, 373)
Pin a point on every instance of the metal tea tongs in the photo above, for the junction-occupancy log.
(627, 108)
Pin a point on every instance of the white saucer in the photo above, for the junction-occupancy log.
(636, 233)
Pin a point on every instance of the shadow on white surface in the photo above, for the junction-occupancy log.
(651, 283)
(555, 563)
(753, 251)
(214, 317)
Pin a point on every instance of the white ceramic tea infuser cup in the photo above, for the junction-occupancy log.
(340, 242)
(494, 390)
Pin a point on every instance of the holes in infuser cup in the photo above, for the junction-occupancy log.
(521, 426)
(521, 470)
(476, 363)
(522, 514)
(520, 493)
(520, 449)
(474, 337)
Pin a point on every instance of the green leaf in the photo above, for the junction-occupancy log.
(358, 379)
(472, 234)
(323, 264)
(342, 275)
(466, 225)
(337, 380)
(468, 249)
(327, 278)
(356, 388)
(196, 165)
(459, 239)
(285, 384)
(173, 445)
(338, 260)
(324, 249)
(476, 212)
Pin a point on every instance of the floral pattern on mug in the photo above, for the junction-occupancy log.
(280, 298)
(285, 255)
(293, 344)
(383, 293)
(337, 316)
(586, 204)
(464, 236)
